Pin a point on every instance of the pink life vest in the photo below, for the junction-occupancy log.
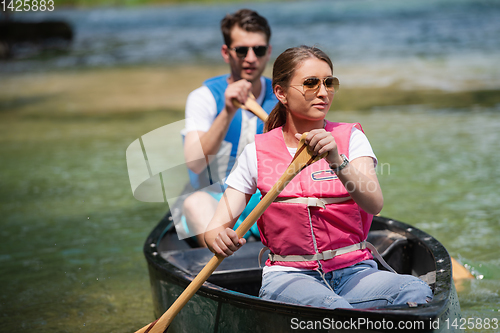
(295, 228)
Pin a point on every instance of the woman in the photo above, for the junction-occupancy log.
(317, 227)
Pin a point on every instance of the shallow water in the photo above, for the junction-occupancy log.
(71, 231)
(439, 172)
(72, 234)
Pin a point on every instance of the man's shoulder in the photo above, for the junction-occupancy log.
(200, 93)
(220, 79)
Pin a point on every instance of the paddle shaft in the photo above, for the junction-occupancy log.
(252, 106)
(166, 319)
(293, 169)
(302, 158)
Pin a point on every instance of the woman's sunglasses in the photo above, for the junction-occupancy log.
(312, 84)
(241, 51)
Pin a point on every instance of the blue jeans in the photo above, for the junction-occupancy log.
(358, 286)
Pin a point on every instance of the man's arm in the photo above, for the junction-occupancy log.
(211, 140)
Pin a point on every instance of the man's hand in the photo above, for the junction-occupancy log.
(238, 90)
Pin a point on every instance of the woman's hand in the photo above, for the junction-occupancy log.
(321, 142)
(358, 177)
(220, 238)
(226, 243)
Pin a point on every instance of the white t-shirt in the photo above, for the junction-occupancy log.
(201, 108)
(244, 176)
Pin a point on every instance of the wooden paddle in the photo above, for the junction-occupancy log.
(459, 272)
(252, 106)
(303, 157)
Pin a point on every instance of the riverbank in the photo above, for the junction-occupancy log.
(147, 88)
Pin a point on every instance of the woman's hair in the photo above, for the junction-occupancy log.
(283, 71)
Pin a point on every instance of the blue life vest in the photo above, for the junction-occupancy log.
(217, 86)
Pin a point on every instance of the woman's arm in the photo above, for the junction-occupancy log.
(220, 238)
(360, 179)
(359, 176)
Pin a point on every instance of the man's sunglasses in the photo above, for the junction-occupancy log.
(241, 51)
(312, 84)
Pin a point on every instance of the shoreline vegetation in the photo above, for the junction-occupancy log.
(150, 88)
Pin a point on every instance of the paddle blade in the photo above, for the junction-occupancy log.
(459, 271)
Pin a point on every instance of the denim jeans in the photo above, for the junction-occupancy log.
(358, 286)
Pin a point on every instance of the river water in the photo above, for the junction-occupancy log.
(349, 31)
(72, 233)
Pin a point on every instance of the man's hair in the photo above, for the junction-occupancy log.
(247, 20)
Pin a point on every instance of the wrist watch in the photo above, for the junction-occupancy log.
(343, 165)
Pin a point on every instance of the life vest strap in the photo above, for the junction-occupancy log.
(327, 255)
(313, 202)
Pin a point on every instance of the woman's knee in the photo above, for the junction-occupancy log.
(414, 290)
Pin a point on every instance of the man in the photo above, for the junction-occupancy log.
(216, 130)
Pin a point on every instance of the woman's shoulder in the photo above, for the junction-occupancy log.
(272, 134)
(341, 127)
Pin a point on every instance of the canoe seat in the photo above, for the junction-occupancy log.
(239, 272)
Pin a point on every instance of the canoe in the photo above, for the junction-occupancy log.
(229, 302)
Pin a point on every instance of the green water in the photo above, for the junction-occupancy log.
(72, 233)
(439, 172)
